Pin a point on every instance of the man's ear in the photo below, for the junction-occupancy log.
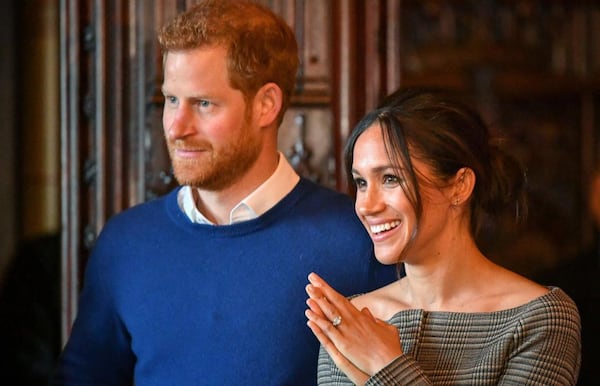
(463, 185)
(267, 104)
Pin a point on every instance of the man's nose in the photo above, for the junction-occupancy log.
(180, 124)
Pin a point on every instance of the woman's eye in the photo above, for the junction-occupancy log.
(391, 180)
(360, 183)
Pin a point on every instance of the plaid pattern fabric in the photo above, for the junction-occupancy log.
(537, 343)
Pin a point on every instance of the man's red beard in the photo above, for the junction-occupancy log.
(215, 170)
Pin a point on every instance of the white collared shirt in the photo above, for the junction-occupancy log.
(263, 198)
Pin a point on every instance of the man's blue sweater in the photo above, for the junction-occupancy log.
(169, 302)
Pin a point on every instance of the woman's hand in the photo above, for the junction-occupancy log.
(359, 344)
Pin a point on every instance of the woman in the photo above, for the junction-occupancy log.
(427, 177)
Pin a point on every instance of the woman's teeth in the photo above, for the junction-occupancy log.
(375, 229)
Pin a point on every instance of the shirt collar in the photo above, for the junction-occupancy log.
(263, 198)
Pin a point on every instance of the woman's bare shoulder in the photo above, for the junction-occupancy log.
(510, 289)
(382, 302)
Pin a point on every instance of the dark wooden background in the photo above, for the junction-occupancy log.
(531, 66)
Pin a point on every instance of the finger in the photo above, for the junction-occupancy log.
(331, 302)
(314, 292)
(319, 334)
(365, 311)
(316, 298)
(322, 321)
(327, 291)
(320, 304)
(326, 325)
(358, 376)
(331, 313)
(314, 307)
(323, 335)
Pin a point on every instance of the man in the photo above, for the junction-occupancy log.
(205, 286)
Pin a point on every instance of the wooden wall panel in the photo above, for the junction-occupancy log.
(532, 66)
(112, 150)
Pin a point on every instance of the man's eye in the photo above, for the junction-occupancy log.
(170, 99)
(204, 103)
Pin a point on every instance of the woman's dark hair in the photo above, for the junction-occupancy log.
(434, 127)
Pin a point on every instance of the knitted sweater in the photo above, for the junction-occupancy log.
(169, 302)
(537, 343)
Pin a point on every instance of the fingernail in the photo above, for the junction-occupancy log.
(314, 279)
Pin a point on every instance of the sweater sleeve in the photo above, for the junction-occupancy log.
(403, 370)
(547, 345)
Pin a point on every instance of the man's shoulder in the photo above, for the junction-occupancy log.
(144, 212)
(314, 192)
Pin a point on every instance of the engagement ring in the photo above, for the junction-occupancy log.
(337, 321)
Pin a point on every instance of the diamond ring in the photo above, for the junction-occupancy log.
(336, 321)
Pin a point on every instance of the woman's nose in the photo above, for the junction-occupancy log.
(369, 201)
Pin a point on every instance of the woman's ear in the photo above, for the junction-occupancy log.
(463, 185)
(267, 104)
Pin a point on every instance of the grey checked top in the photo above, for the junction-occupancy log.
(537, 343)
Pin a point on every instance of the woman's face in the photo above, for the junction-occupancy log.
(383, 207)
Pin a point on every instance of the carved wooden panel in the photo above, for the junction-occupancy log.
(311, 22)
(108, 61)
